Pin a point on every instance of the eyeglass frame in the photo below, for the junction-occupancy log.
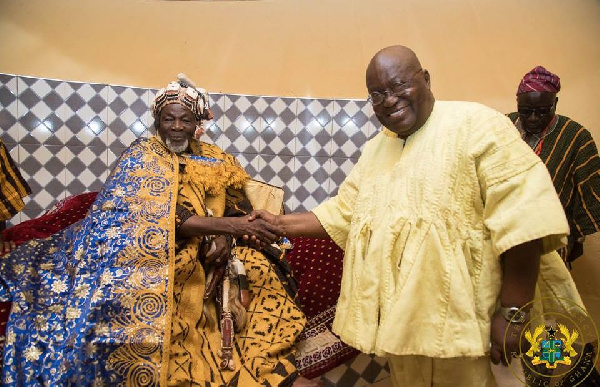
(403, 86)
(539, 111)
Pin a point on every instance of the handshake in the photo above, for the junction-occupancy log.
(262, 228)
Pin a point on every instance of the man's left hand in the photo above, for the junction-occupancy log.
(505, 344)
(222, 251)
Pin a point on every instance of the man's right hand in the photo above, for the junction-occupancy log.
(6, 246)
(267, 217)
(257, 228)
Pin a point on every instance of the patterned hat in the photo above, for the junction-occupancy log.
(541, 80)
(183, 92)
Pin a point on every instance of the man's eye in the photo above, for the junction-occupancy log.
(399, 86)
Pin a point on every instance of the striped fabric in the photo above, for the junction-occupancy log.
(13, 188)
(571, 157)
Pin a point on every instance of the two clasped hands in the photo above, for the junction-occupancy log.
(267, 229)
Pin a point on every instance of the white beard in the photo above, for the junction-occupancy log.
(177, 148)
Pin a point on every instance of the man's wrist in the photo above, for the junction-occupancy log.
(514, 314)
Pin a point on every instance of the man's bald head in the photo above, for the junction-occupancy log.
(395, 53)
(396, 74)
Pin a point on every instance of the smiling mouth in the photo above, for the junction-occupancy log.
(398, 112)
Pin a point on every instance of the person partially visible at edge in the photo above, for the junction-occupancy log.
(127, 295)
(443, 220)
(567, 149)
(571, 156)
(13, 188)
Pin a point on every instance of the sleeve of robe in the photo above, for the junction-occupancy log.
(585, 210)
(338, 210)
(520, 202)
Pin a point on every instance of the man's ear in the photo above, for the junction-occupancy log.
(427, 78)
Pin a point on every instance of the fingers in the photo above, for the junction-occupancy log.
(258, 229)
(7, 247)
(264, 232)
(495, 354)
(501, 354)
(218, 253)
(270, 228)
(258, 214)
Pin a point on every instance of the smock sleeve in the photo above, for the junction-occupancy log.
(336, 214)
(520, 202)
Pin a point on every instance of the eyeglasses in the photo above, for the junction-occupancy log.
(377, 97)
(541, 111)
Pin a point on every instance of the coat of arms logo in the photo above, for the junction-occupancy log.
(551, 350)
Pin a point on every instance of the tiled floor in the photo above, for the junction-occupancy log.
(367, 371)
(344, 376)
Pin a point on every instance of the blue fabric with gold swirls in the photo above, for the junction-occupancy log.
(91, 304)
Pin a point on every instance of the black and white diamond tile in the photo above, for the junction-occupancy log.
(278, 170)
(214, 128)
(351, 127)
(337, 170)
(364, 370)
(43, 166)
(9, 128)
(129, 115)
(279, 124)
(13, 150)
(375, 126)
(151, 129)
(314, 134)
(241, 123)
(251, 162)
(310, 181)
(85, 169)
(84, 113)
(112, 155)
(39, 104)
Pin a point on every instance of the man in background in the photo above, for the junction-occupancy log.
(13, 188)
(571, 156)
(567, 149)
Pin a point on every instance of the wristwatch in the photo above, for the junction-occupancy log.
(513, 314)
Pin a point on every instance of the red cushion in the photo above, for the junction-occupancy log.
(317, 265)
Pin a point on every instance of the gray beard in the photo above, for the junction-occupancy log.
(177, 148)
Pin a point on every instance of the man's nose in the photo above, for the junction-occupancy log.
(389, 99)
(178, 125)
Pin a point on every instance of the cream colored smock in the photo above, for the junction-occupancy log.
(423, 223)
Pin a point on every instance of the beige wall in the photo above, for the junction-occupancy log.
(474, 49)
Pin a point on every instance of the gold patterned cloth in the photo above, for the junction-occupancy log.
(264, 350)
(112, 300)
(13, 188)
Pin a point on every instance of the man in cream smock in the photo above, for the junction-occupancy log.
(443, 221)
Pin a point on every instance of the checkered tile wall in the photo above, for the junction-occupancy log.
(66, 136)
